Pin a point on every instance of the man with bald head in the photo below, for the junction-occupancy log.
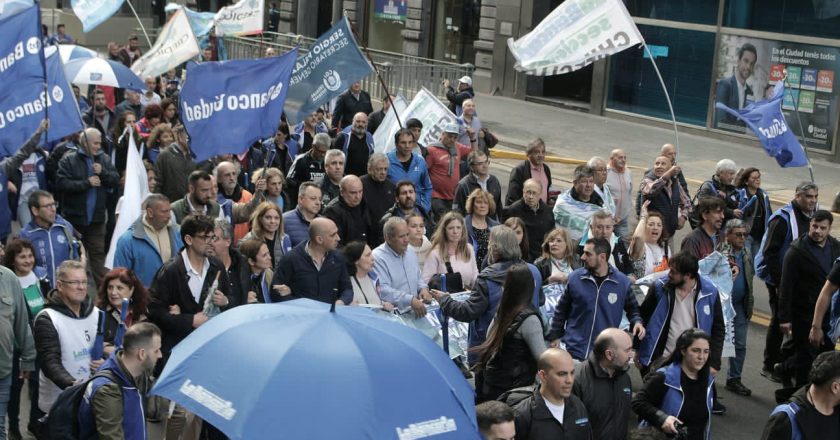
(357, 144)
(620, 184)
(670, 151)
(603, 385)
(552, 411)
(314, 269)
(86, 177)
(349, 212)
(536, 215)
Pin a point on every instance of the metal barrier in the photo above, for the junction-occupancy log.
(403, 74)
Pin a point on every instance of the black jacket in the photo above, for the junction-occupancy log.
(90, 120)
(72, 178)
(802, 279)
(170, 288)
(774, 249)
(375, 120)
(778, 426)
(395, 210)
(607, 399)
(518, 175)
(537, 223)
(468, 184)
(47, 343)
(353, 223)
(379, 197)
(534, 421)
(297, 271)
(347, 106)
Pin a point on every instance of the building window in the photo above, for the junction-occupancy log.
(817, 18)
(691, 11)
(685, 60)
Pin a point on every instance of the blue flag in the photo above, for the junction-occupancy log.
(93, 12)
(63, 110)
(766, 120)
(21, 79)
(228, 105)
(333, 63)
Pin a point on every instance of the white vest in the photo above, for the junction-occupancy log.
(76, 337)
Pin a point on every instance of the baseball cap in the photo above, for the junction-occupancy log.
(451, 128)
(466, 80)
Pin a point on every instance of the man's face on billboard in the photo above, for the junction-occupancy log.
(746, 64)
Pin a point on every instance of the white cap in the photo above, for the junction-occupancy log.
(451, 128)
(466, 80)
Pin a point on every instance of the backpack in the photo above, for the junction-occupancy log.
(63, 420)
(790, 410)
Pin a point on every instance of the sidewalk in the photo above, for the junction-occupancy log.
(579, 135)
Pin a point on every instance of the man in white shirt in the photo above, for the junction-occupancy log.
(149, 96)
(620, 183)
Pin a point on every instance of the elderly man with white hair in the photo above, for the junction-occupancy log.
(721, 186)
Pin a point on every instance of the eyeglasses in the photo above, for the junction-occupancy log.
(48, 205)
(75, 283)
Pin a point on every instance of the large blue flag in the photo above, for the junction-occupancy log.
(766, 120)
(21, 77)
(63, 110)
(227, 105)
(333, 63)
(93, 12)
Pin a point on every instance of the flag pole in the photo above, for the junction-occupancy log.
(142, 28)
(44, 63)
(375, 69)
(667, 96)
(799, 121)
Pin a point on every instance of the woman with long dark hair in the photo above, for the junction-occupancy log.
(678, 396)
(756, 213)
(649, 250)
(366, 288)
(508, 357)
(256, 253)
(117, 284)
(521, 232)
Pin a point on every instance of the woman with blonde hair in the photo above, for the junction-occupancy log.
(559, 257)
(480, 207)
(451, 253)
(267, 226)
(274, 181)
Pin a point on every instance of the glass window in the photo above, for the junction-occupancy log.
(685, 60)
(817, 18)
(691, 11)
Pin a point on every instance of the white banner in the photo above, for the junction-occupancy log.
(175, 45)
(243, 18)
(428, 109)
(136, 190)
(383, 139)
(576, 34)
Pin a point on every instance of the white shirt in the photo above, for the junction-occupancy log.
(556, 410)
(146, 100)
(682, 319)
(195, 278)
(621, 189)
(742, 90)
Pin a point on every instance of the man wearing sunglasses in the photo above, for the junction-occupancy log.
(742, 300)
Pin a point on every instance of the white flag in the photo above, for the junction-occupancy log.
(175, 45)
(384, 135)
(429, 110)
(576, 34)
(136, 190)
(243, 18)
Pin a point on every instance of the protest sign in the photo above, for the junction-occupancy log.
(93, 12)
(175, 44)
(243, 18)
(573, 215)
(425, 106)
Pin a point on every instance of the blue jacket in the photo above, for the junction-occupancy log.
(136, 251)
(707, 302)
(346, 140)
(761, 196)
(133, 420)
(586, 309)
(295, 226)
(297, 271)
(471, 231)
(673, 400)
(52, 247)
(417, 173)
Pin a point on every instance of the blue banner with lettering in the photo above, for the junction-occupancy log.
(93, 12)
(333, 63)
(228, 105)
(63, 111)
(766, 120)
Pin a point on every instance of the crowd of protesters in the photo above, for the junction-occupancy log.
(314, 212)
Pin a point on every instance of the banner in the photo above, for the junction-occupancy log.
(226, 106)
(63, 111)
(429, 110)
(332, 63)
(200, 22)
(384, 135)
(175, 44)
(93, 12)
(749, 68)
(766, 120)
(136, 190)
(715, 267)
(573, 215)
(21, 79)
(576, 34)
(243, 18)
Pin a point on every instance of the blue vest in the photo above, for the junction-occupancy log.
(478, 328)
(704, 312)
(790, 216)
(673, 400)
(368, 140)
(790, 409)
(834, 317)
(134, 420)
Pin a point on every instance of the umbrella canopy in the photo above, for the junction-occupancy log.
(295, 370)
(70, 52)
(102, 72)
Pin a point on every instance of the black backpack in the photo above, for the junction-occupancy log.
(62, 422)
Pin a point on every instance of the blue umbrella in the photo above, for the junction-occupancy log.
(102, 72)
(295, 370)
(70, 52)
